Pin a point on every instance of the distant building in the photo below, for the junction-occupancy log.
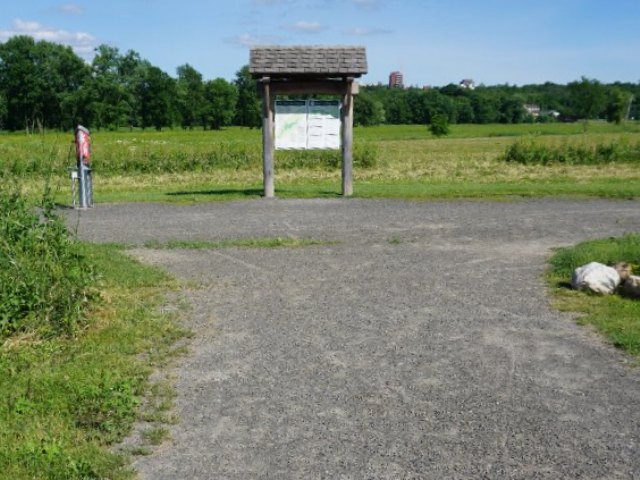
(532, 109)
(467, 83)
(396, 80)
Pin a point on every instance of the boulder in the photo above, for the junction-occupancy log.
(631, 287)
(595, 277)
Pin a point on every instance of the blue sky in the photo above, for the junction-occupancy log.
(433, 42)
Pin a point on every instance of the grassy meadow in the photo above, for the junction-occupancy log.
(389, 161)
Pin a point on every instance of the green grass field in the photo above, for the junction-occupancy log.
(391, 161)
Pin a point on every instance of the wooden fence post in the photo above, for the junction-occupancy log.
(267, 138)
(347, 140)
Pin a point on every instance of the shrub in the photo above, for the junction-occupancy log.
(531, 153)
(45, 279)
(439, 125)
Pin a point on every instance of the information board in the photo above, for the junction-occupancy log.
(307, 124)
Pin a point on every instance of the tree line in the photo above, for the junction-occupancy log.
(46, 85)
(582, 99)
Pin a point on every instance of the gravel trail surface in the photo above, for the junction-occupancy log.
(421, 344)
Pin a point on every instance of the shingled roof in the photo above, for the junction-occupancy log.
(336, 61)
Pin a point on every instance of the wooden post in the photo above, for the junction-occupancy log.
(267, 139)
(347, 140)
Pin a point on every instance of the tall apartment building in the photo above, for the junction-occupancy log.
(396, 80)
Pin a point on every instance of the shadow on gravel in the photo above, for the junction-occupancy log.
(257, 192)
(247, 192)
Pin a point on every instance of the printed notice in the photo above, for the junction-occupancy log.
(307, 124)
(323, 125)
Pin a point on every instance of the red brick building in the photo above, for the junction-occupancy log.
(396, 80)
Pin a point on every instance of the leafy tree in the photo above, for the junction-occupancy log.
(249, 105)
(618, 103)
(191, 96)
(19, 80)
(3, 110)
(111, 100)
(464, 110)
(418, 105)
(155, 91)
(438, 104)
(485, 105)
(131, 68)
(367, 110)
(452, 90)
(439, 125)
(38, 79)
(397, 108)
(221, 98)
(512, 109)
(66, 76)
(588, 98)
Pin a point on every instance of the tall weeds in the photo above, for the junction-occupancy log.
(135, 155)
(531, 153)
(45, 280)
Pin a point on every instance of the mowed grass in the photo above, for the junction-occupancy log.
(65, 400)
(616, 317)
(406, 161)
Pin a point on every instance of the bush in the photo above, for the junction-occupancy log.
(531, 153)
(439, 125)
(45, 279)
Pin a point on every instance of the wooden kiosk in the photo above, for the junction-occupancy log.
(307, 70)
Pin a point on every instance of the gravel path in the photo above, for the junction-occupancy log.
(420, 345)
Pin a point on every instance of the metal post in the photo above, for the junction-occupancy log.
(82, 187)
(83, 153)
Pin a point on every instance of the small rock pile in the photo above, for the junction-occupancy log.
(599, 278)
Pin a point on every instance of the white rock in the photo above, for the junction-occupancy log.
(595, 277)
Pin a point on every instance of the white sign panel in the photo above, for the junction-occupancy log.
(307, 124)
(323, 125)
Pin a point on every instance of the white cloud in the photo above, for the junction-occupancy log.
(247, 40)
(307, 27)
(71, 9)
(82, 43)
(26, 26)
(362, 32)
